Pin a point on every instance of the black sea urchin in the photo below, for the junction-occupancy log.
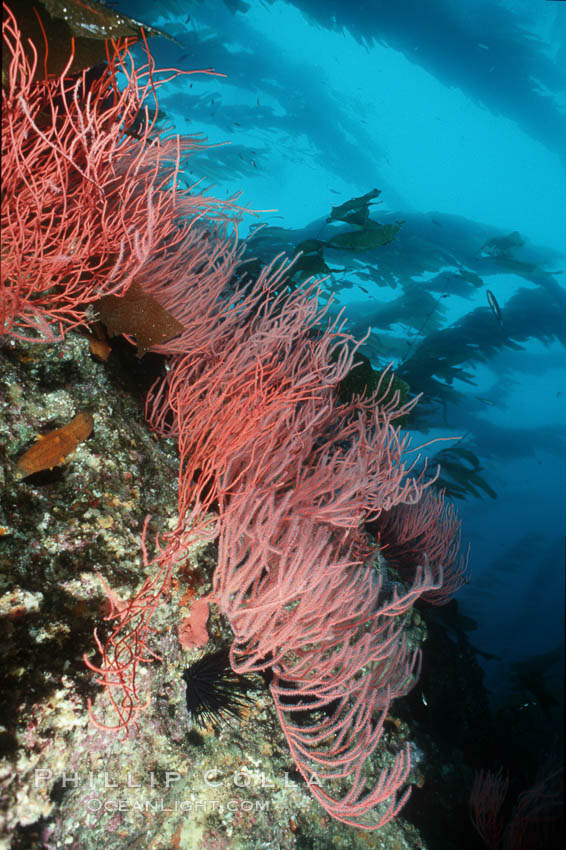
(214, 692)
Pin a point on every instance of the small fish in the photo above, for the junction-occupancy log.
(485, 401)
(495, 309)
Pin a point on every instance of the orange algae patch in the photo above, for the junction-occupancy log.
(53, 448)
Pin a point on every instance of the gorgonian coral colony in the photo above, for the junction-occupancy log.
(90, 207)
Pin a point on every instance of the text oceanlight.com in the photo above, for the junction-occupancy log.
(95, 804)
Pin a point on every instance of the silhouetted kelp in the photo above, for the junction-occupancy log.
(488, 55)
(436, 362)
(432, 359)
(459, 475)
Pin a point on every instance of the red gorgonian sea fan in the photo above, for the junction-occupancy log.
(91, 205)
(90, 200)
(295, 473)
(427, 529)
(536, 819)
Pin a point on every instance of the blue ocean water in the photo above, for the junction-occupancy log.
(456, 111)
